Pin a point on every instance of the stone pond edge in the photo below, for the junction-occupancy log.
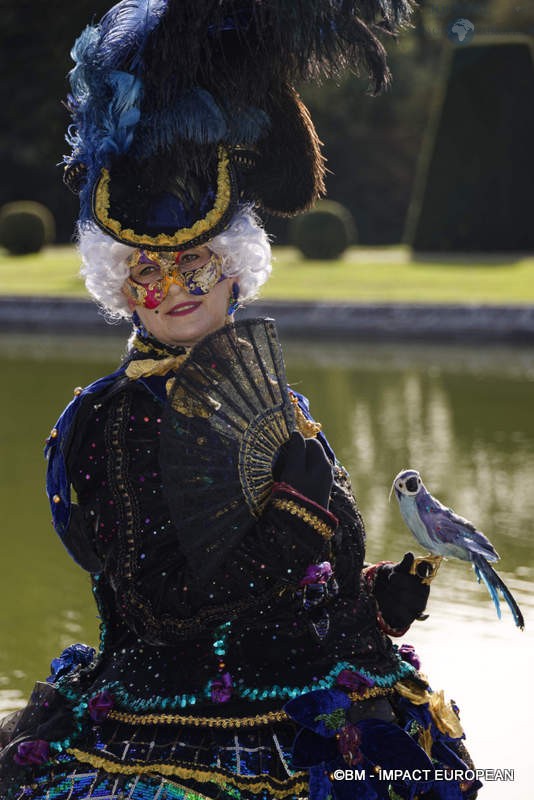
(369, 321)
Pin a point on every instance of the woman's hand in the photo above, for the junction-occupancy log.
(303, 464)
(401, 596)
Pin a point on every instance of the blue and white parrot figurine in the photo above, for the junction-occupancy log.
(445, 534)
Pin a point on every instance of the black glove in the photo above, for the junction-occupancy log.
(401, 597)
(303, 464)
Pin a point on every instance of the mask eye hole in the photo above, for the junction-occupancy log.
(148, 273)
(188, 259)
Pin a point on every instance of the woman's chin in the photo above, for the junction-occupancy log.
(186, 331)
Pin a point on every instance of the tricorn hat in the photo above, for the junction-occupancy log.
(183, 109)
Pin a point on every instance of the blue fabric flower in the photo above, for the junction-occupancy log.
(319, 747)
(76, 655)
(322, 711)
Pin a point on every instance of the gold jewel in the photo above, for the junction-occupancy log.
(297, 511)
(309, 428)
(426, 567)
(199, 722)
(222, 202)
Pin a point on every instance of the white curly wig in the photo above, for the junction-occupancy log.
(244, 248)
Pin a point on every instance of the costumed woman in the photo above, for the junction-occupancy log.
(245, 648)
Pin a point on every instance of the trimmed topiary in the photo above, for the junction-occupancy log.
(325, 232)
(25, 227)
(473, 190)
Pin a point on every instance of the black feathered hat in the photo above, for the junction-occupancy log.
(182, 109)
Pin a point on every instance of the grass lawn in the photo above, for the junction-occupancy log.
(371, 274)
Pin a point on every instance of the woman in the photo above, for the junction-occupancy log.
(245, 650)
(206, 674)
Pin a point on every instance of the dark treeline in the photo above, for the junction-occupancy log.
(371, 144)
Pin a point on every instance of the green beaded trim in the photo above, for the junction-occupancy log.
(157, 703)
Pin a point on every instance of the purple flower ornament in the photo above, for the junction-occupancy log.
(221, 688)
(354, 681)
(407, 653)
(348, 743)
(99, 706)
(33, 751)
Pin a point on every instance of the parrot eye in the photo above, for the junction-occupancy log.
(401, 484)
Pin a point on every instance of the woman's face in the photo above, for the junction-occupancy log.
(181, 318)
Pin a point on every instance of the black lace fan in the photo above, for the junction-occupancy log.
(229, 413)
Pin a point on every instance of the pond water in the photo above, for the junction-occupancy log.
(463, 417)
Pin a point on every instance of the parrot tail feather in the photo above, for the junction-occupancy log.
(494, 585)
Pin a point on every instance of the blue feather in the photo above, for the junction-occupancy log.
(126, 27)
(83, 54)
(123, 113)
(479, 572)
(105, 101)
(495, 584)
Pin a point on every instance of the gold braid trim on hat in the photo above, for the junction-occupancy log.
(101, 204)
(199, 722)
(298, 782)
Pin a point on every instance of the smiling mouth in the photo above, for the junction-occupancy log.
(182, 309)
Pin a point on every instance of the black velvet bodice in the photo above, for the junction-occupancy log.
(161, 625)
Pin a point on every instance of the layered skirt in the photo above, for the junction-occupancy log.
(398, 743)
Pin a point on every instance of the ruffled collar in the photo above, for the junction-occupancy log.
(147, 356)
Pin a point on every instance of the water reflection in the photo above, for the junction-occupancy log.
(463, 417)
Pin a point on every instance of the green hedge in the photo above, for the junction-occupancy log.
(474, 184)
(25, 227)
(325, 232)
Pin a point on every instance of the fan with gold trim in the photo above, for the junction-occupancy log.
(228, 415)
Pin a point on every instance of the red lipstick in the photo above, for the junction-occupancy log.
(182, 309)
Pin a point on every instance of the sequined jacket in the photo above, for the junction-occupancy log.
(262, 628)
